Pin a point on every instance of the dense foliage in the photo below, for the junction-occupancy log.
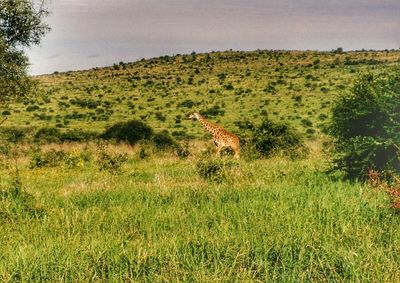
(366, 126)
(131, 132)
(271, 137)
(21, 25)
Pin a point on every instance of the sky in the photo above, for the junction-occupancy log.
(88, 33)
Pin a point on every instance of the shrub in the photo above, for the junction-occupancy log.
(164, 141)
(131, 132)
(366, 127)
(110, 162)
(306, 122)
(32, 108)
(77, 158)
(215, 170)
(78, 135)
(48, 134)
(160, 116)
(188, 103)
(182, 151)
(143, 152)
(213, 111)
(51, 158)
(13, 135)
(270, 138)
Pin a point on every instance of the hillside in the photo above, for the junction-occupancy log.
(296, 87)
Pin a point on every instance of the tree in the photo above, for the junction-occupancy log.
(366, 127)
(21, 26)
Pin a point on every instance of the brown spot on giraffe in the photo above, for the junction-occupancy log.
(222, 138)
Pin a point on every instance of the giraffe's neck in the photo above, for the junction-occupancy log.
(207, 125)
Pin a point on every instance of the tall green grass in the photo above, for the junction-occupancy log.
(270, 220)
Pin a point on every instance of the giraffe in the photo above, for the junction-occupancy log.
(222, 138)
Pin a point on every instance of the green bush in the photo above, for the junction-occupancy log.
(164, 141)
(51, 158)
(215, 170)
(135, 131)
(13, 135)
(54, 135)
(188, 103)
(131, 132)
(54, 158)
(366, 127)
(108, 161)
(160, 117)
(270, 138)
(48, 135)
(78, 135)
(182, 151)
(32, 108)
(77, 158)
(213, 111)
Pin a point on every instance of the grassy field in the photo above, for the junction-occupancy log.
(96, 212)
(158, 220)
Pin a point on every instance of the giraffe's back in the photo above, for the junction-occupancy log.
(225, 138)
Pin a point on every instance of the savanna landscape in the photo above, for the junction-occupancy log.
(104, 178)
(78, 207)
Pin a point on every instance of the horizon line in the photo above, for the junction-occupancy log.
(343, 50)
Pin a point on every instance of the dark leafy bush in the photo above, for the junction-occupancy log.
(88, 103)
(54, 135)
(366, 127)
(188, 103)
(32, 108)
(213, 111)
(306, 122)
(143, 152)
(131, 132)
(78, 135)
(135, 131)
(164, 141)
(48, 135)
(160, 116)
(13, 135)
(270, 138)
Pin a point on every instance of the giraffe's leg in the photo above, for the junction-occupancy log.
(236, 149)
(219, 150)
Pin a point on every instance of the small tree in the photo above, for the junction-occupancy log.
(270, 138)
(366, 127)
(131, 132)
(21, 26)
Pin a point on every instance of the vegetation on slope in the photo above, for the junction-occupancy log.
(291, 86)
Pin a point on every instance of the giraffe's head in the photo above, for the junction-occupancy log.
(195, 115)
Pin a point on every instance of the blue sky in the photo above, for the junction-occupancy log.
(87, 33)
